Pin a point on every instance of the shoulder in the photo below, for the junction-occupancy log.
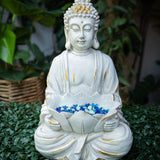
(105, 57)
(58, 61)
(59, 58)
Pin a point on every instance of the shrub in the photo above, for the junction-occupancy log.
(19, 121)
(145, 125)
(17, 126)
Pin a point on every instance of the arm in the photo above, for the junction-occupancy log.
(55, 79)
(111, 86)
(110, 79)
(54, 89)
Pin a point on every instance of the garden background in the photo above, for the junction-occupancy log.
(31, 35)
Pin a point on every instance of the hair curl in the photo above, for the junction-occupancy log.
(81, 8)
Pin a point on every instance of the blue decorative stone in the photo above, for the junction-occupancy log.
(89, 108)
(58, 109)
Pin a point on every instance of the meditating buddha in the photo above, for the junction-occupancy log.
(81, 118)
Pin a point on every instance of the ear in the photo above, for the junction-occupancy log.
(68, 44)
(95, 41)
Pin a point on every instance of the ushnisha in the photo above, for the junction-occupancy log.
(81, 118)
(81, 9)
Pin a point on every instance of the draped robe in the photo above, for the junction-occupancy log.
(76, 79)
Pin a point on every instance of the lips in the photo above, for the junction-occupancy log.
(81, 41)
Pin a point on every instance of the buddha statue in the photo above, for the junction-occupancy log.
(81, 118)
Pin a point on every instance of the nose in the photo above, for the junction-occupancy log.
(81, 36)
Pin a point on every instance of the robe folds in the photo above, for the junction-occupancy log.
(82, 136)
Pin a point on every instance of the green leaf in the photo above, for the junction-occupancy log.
(117, 45)
(127, 40)
(21, 54)
(6, 26)
(36, 1)
(35, 74)
(22, 34)
(40, 66)
(16, 140)
(39, 56)
(109, 29)
(123, 81)
(102, 22)
(7, 46)
(100, 7)
(42, 16)
(66, 6)
(120, 8)
(119, 22)
(133, 2)
(132, 71)
(16, 76)
(134, 30)
(18, 8)
(46, 19)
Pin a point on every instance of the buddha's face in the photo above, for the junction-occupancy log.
(81, 33)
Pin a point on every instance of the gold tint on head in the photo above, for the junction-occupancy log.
(72, 9)
(81, 8)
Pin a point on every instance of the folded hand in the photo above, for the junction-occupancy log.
(53, 124)
(111, 123)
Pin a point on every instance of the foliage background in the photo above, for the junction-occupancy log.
(120, 36)
(19, 122)
(14, 63)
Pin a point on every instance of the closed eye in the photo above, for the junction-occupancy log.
(87, 27)
(75, 27)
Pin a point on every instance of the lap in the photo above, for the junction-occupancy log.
(116, 143)
(105, 144)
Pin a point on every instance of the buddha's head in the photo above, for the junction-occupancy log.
(81, 22)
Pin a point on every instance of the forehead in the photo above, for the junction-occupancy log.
(81, 21)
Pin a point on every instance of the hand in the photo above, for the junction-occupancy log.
(111, 123)
(53, 124)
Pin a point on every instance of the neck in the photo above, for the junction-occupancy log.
(81, 53)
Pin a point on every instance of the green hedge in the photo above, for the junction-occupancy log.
(145, 125)
(19, 121)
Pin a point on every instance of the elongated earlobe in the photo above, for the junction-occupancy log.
(68, 44)
(95, 42)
